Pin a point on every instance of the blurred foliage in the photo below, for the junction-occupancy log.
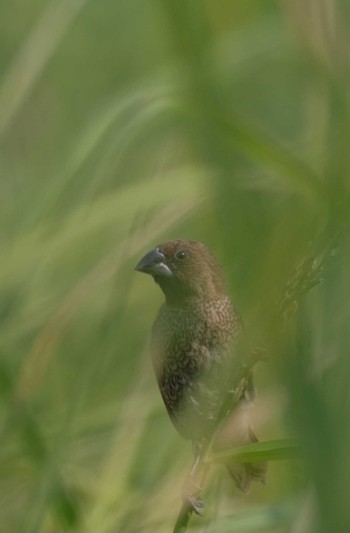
(126, 123)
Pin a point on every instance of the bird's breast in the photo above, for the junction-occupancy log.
(190, 346)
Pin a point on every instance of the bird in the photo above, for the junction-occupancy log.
(193, 343)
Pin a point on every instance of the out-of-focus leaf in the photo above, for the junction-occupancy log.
(273, 450)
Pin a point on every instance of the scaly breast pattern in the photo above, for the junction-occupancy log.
(191, 347)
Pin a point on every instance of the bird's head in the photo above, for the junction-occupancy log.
(184, 270)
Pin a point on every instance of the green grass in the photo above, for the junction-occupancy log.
(123, 124)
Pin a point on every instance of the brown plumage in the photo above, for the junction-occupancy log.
(193, 341)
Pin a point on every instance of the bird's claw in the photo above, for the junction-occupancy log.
(192, 490)
(195, 504)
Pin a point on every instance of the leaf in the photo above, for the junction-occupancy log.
(272, 450)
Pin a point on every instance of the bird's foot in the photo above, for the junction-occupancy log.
(190, 496)
(195, 504)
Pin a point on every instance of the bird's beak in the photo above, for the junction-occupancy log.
(154, 263)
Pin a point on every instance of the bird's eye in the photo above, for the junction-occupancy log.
(181, 255)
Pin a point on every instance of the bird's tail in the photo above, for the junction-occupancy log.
(243, 474)
(239, 432)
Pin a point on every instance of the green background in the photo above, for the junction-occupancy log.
(124, 123)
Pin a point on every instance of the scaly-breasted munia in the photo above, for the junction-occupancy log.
(193, 342)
